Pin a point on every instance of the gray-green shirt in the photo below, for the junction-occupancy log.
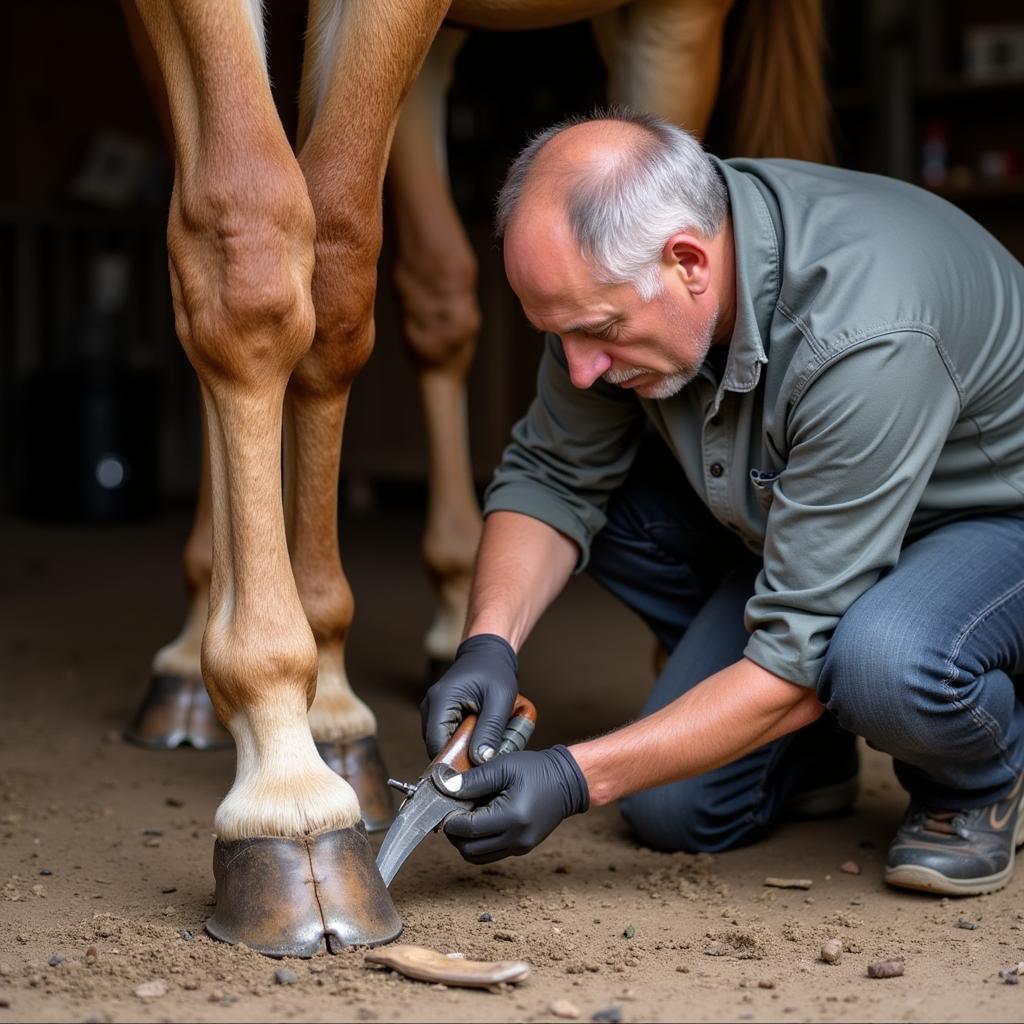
(874, 389)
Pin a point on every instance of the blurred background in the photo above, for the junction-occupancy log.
(98, 406)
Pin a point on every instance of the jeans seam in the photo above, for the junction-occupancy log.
(978, 716)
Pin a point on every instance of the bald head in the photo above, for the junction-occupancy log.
(619, 185)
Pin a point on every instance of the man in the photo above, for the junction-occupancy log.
(830, 511)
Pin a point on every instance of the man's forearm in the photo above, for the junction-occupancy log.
(522, 567)
(726, 716)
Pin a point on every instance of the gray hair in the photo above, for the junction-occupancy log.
(622, 215)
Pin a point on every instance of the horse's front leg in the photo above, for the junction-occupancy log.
(360, 58)
(291, 861)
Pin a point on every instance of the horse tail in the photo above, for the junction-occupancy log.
(778, 74)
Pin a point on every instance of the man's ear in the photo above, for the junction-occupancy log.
(686, 254)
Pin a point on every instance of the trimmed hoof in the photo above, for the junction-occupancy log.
(359, 763)
(177, 710)
(287, 896)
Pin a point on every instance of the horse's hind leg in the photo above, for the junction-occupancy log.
(436, 278)
(665, 56)
(177, 708)
(240, 240)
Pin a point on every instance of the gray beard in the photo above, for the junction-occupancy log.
(666, 385)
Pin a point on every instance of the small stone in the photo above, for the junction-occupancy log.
(174, 801)
(766, 983)
(285, 976)
(45, 871)
(151, 989)
(832, 951)
(187, 935)
(629, 932)
(563, 1008)
(5, 1003)
(886, 969)
(966, 925)
(609, 1015)
(152, 831)
(485, 917)
(789, 883)
(850, 867)
(56, 960)
(91, 955)
(215, 996)
(167, 890)
(506, 936)
(563, 869)
(152, 842)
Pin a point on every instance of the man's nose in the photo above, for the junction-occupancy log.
(586, 362)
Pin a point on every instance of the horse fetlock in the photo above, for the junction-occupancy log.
(450, 546)
(445, 632)
(246, 666)
(336, 712)
(282, 786)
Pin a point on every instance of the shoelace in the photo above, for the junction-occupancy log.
(943, 822)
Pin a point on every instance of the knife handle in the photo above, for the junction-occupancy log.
(516, 736)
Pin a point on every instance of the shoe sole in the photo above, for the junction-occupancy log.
(910, 876)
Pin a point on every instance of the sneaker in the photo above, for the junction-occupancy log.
(958, 853)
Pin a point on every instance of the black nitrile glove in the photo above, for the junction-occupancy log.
(531, 792)
(482, 681)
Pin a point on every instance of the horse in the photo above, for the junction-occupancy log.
(272, 258)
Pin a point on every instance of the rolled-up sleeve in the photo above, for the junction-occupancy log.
(863, 439)
(568, 453)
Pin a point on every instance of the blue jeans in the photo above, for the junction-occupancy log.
(922, 666)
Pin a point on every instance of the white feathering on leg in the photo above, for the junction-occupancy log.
(282, 786)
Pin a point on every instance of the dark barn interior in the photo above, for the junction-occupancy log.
(99, 458)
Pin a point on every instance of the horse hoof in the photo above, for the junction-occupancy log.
(177, 710)
(287, 896)
(359, 763)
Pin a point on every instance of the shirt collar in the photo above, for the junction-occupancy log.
(757, 245)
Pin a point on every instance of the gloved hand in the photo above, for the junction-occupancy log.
(531, 792)
(482, 680)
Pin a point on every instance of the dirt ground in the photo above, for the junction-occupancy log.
(105, 856)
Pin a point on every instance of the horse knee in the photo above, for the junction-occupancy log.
(442, 317)
(241, 271)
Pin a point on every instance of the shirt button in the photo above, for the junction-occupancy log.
(716, 469)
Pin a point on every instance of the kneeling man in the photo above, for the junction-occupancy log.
(780, 414)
